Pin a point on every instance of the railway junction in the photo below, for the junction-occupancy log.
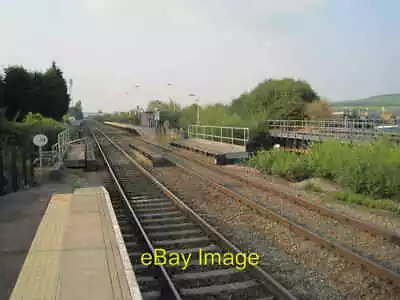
(97, 242)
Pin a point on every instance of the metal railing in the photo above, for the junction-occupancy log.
(221, 134)
(58, 150)
(336, 129)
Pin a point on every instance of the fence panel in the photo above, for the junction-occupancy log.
(221, 134)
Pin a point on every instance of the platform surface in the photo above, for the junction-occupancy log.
(147, 132)
(76, 155)
(77, 252)
(20, 215)
(210, 146)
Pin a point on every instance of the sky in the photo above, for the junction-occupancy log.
(124, 53)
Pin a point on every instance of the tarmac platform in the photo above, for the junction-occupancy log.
(224, 153)
(78, 252)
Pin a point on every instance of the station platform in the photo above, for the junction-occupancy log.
(78, 252)
(224, 153)
(146, 132)
(80, 155)
(208, 147)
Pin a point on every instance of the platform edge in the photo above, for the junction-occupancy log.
(129, 273)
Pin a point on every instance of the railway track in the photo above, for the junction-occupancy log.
(382, 268)
(151, 217)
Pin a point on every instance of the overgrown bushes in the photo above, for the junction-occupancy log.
(23, 132)
(370, 169)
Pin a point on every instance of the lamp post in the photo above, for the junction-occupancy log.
(171, 98)
(198, 107)
(138, 112)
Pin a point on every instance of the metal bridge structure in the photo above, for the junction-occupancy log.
(298, 133)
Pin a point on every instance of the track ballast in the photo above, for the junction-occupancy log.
(152, 217)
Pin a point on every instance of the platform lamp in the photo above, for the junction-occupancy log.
(138, 114)
(198, 107)
(171, 98)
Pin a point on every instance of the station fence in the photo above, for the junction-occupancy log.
(221, 134)
(18, 162)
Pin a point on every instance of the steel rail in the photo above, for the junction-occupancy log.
(346, 252)
(370, 228)
(171, 286)
(270, 284)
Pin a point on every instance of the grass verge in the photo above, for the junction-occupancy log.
(353, 198)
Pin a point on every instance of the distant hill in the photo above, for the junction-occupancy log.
(374, 101)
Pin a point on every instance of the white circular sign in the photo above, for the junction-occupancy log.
(40, 140)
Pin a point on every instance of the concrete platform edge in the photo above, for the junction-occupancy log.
(130, 275)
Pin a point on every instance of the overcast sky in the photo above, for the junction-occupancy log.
(215, 49)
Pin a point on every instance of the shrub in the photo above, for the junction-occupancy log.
(369, 169)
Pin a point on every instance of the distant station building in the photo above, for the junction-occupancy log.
(150, 119)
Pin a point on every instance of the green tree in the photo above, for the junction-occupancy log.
(44, 93)
(158, 105)
(18, 87)
(76, 111)
(319, 110)
(55, 93)
(275, 99)
(163, 106)
(1, 92)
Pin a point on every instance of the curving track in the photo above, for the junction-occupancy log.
(152, 217)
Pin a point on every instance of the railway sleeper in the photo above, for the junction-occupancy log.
(146, 199)
(193, 241)
(167, 207)
(187, 232)
(155, 215)
(148, 283)
(214, 280)
(169, 220)
(168, 227)
(153, 205)
(151, 295)
(249, 289)
(139, 195)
